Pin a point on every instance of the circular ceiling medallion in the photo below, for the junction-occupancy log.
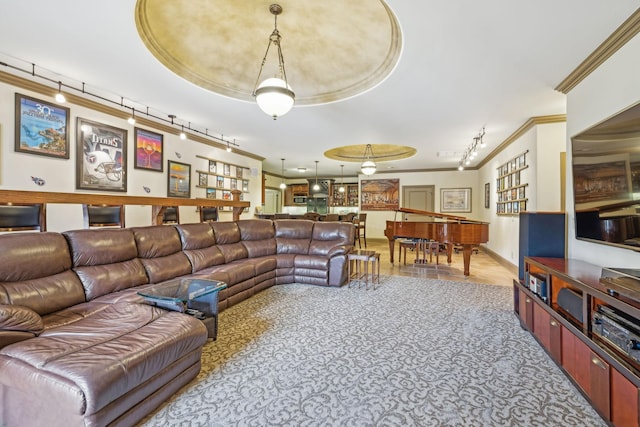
(381, 152)
(332, 49)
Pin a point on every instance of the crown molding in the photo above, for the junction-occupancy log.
(82, 101)
(615, 41)
(528, 125)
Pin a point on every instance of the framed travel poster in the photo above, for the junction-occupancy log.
(149, 150)
(179, 180)
(101, 157)
(41, 127)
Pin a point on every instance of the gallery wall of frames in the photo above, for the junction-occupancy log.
(105, 155)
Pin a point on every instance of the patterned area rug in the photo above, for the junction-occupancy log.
(413, 352)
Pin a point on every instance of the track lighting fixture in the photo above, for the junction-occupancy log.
(182, 134)
(132, 120)
(228, 147)
(472, 151)
(60, 96)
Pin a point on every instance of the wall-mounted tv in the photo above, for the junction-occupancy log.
(606, 181)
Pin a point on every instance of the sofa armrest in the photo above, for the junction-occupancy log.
(339, 250)
(20, 318)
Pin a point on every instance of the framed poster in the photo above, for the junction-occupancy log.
(41, 128)
(101, 157)
(487, 195)
(455, 200)
(149, 150)
(178, 179)
(379, 194)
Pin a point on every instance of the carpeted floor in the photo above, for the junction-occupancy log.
(413, 352)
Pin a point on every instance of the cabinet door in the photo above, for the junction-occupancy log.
(589, 371)
(624, 401)
(526, 311)
(288, 196)
(548, 331)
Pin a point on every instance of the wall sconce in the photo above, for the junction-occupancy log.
(368, 165)
(274, 95)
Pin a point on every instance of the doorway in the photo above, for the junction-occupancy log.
(420, 197)
(272, 201)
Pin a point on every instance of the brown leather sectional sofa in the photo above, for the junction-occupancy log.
(79, 347)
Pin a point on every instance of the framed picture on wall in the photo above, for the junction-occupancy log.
(41, 127)
(149, 150)
(101, 157)
(455, 200)
(178, 179)
(487, 195)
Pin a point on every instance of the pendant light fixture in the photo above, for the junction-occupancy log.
(368, 165)
(274, 95)
(316, 187)
(341, 188)
(282, 184)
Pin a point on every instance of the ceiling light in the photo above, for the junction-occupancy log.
(282, 184)
(228, 147)
(302, 170)
(182, 134)
(341, 188)
(274, 95)
(316, 187)
(368, 165)
(60, 96)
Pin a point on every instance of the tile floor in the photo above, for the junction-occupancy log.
(483, 267)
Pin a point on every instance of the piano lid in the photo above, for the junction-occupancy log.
(433, 214)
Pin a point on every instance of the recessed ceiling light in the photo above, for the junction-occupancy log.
(301, 170)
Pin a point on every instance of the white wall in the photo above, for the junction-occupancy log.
(544, 143)
(611, 88)
(16, 169)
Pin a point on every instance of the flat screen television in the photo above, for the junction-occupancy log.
(606, 181)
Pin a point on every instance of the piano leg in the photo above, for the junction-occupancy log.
(449, 252)
(392, 245)
(466, 256)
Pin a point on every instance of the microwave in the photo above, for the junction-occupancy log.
(300, 200)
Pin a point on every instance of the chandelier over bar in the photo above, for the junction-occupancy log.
(274, 95)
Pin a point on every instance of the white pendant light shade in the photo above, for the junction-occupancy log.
(368, 167)
(274, 97)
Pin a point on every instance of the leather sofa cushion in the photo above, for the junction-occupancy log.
(328, 235)
(293, 236)
(98, 247)
(256, 229)
(166, 267)
(90, 363)
(203, 258)
(157, 241)
(226, 232)
(105, 260)
(258, 237)
(46, 294)
(100, 280)
(196, 236)
(18, 318)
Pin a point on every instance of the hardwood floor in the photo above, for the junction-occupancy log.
(483, 269)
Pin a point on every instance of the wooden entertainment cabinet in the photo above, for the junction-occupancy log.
(606, 375)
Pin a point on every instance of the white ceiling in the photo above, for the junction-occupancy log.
(466, 64)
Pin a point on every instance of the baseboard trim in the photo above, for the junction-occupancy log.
(502, 261)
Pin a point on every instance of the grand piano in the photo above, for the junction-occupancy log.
(447, 229)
